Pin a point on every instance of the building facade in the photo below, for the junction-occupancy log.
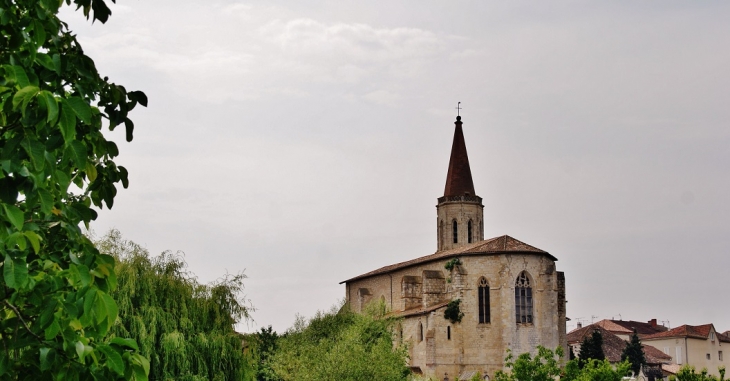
(510, 293)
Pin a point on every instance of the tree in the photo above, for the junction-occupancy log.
(634, 354)
(341, 346)
(543, 367)
(595, 370)
(55, 286)
(263, 345)
(688, 373)
(591, 348)
(185, 328)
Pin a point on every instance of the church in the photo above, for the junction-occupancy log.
(500, 293)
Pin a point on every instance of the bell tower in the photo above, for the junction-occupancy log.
(460, 213)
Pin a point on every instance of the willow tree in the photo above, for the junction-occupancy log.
(55, 163)
(184, 327)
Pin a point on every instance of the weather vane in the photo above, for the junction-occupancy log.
(458, 108)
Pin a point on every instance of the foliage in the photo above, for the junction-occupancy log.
(263, 346)
(450, 265)
(688, 373)
(595, 370)
(634, 354)
(185, 328)
(341, 345)
(55, 286)
(543, 367)
(453, 311)
(591, 348)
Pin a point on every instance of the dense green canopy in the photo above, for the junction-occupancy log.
(185, 328)
(341, 345)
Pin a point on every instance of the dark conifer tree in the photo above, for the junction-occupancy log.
(634, 353)
(591, 348)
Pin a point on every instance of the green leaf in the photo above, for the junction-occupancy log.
(14, 239)
(78, 153)
(80, 349)
(141, 367)
(81, 108)
(138, 96)
(46, 200)
(51, 105)
(36, 151)
(127, 343)
(53, 330)
(67, 123)
(113, 359)
(89, 301)
(15, 272)
(39, 33)
(46, 61)
(84, 275)
(24, 96)
(91, 171)
(111, 307)
(46, 360)
(34, 239)
(14, 215)
(20, 77)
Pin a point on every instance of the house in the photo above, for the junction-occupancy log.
(700, 346)
(613, 345)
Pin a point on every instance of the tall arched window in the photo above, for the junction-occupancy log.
(456, 232)
(523, 299)
(468, 233)
(420, 331)
(481, 229)
(484, 317)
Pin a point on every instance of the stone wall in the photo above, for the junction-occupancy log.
(472, 346)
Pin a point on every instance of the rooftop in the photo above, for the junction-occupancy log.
(493, 246)
(613, 345)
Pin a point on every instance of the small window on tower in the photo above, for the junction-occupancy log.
(448, 333)
(468, 233)
(456, 232)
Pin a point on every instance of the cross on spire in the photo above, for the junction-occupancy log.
(458, 108)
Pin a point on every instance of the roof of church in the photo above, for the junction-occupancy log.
(493, 246)
(458, 179)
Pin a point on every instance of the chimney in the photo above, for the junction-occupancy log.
(652, 322)
(580, 325)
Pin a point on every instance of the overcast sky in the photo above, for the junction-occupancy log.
(307, 142)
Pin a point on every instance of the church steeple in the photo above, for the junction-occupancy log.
(458, 179)
(460, 211)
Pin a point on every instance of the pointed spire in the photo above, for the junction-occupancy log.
(458, 179)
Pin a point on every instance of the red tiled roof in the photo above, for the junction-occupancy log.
(493, 246)
(613, 345)
(694, 331)
(458, 179)
(628, 326)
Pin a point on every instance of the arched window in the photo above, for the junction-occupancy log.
(420, 331)
(481, 229)
(448, 332)
(468, 233)
(456, 232)
(523, 299)
(484, 317)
